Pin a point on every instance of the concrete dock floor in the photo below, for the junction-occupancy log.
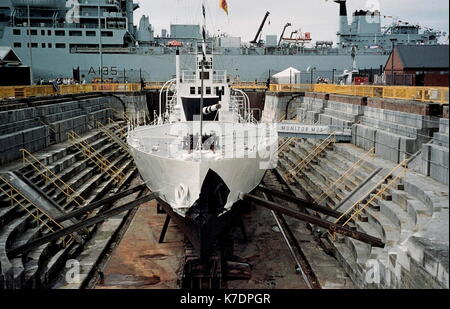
(139, 261)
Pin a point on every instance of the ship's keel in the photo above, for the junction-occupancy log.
(208, 229)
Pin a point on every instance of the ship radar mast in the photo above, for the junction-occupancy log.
(202, 81)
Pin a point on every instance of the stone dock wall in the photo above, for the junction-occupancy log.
(35, 128)
(398, 129)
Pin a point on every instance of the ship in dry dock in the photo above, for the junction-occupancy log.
(205, 151)
(142, 186)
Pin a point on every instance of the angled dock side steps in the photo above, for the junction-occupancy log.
(51, 177)
(319, 149)
(122, 131)
(341, 181)
(113, 136)
(36, 204)
(73, 228)
(94, 156)
(380, 190)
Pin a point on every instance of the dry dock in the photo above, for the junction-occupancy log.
(140, 262)
(72, 201)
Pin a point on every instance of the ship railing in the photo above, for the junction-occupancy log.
(248, 118)
(220, 77)
(61, 25)
(160, 120)
(189, 76)
(177, 146)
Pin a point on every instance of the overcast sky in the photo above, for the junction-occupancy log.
(320, 17)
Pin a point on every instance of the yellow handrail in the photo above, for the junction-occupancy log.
(313, 154)
(287, 142)
(355, 207)
(336, 185)
(113, 136)
(37, 217)
(50, 90)
(71, 194)
(423, 94)
(96, 157)
(122, 131)
(250, 85)
(291, 87)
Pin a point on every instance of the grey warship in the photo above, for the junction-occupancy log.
(99, 38)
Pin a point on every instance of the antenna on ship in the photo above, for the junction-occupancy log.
(202, 65)
(30, 44)
(100, 47)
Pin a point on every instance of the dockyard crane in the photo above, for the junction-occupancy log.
(282, 34)
(256, 39)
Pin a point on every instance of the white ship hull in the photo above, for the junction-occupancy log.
(178, 178)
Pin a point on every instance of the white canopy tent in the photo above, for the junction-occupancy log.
(289, 76)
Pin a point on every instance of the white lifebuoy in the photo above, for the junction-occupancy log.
(181, 195)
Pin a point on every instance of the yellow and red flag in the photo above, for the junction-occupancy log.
(224, 5)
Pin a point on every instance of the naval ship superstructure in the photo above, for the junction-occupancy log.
(204, 152)
(99, 37)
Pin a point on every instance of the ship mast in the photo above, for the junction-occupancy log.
(29, 38)
(202, 65)
(100, 47)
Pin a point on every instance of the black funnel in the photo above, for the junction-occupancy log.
(342, 7)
